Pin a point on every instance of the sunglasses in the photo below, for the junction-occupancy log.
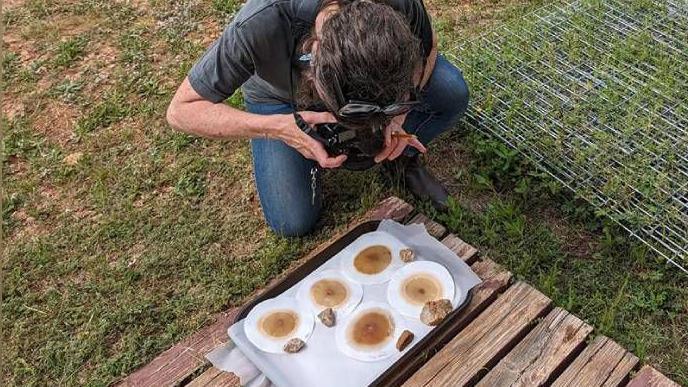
(362, 109)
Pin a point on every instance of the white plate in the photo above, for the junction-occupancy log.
(367, 240)
(303, 329)
(394, 290)
(386, 350)
(355, 291)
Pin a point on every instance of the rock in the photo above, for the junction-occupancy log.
(407, 255)
(294, 345)
(327, 317)
(435, 311)
(405, 339)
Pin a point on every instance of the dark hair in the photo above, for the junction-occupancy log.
(368, 50)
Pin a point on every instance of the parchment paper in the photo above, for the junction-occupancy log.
(320, 363)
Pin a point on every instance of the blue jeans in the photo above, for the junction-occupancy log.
(285, 179)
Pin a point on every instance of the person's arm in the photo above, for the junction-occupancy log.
(192, 114)
(430, 62)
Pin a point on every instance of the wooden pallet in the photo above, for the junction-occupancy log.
(509, 335)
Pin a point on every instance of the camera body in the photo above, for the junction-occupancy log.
(360, 150)
(340, 140)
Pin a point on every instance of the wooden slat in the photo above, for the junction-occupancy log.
(542, 354)
(485, 340)
(205, 378)
(602, 363)
(465, 251)
(225, 379)
(650, 377)
(215, 377)
(495, 280)
(390, 208)
(184, 358)
(435, 229)
(621, 372)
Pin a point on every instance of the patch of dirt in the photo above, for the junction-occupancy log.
(470, 15)
(26, 49)
(56, 122)
(12, 4)
(207, 32)
(576, 241)
(16, 166)
(73, 158)
(49, 193)
(12, 106)
(68, 26)
(30, 228)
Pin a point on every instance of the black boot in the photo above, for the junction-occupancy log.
(410, 173)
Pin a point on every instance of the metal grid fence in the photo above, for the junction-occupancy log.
(596, 93)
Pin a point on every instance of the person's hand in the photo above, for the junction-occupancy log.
(310, 148)
(395, 145)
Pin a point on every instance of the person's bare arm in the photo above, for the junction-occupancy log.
(192, 114)
(430, 62)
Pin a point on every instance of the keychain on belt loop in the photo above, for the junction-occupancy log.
(314, 172)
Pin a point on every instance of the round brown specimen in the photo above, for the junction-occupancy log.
(407, 255)
(329, 293)
(373, 259)
(405, 339)
(294, 345)
(371, 329)
(327, 317)
(435, 311)
(421, 288)
(278, 323)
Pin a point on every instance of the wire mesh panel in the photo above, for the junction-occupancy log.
(596, 93)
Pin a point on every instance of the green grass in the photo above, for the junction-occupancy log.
(618, 286)
(70, 51)
(112, 259)
(574, 89)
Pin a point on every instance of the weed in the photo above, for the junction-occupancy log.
(67, 90)
(226, 8)
(134, 48)
(10, 65)
(191, 179)
(70, 50)
(113, 109)
(10, 204)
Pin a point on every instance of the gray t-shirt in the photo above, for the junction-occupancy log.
(255, 50)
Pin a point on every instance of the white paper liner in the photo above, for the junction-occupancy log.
(389, 349)
(303, 329)
(361, 243)
(303, 295)
(439, 272)
(333, 368)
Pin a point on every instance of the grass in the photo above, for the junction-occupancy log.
(586, 264)
(124, 236)
(599, 96)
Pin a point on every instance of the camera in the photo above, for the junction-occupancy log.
(341, 140)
